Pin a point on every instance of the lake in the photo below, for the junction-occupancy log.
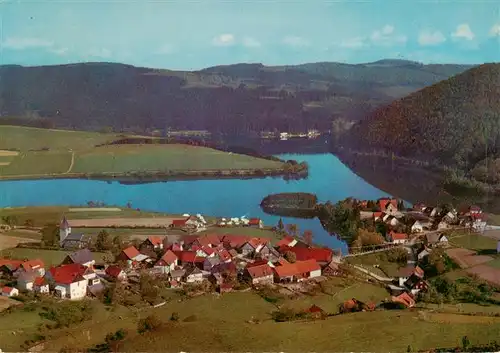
(328, 178)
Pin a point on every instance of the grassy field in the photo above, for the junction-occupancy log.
(49, 257)
(126, 158)
(247, 231)
(44, 152)
(494, 219)
(474, 242)
(385, 267)
(27, 138)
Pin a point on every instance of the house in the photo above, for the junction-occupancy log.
(404, 274)
(287, 241)
(189, 257)
(151, 243)
(332, 269)
(256, 222)
(268, 252)
(115, 273)
(388, 205)
(431, 211)
(193, 275)
(210, 262)
(177, 275)
(167, 262)
(323, 256)
(253, 245)
(475, 209)
(83, 257)
(69, 281)
(41, 285)
(397, 238)
(423, 254)
(391, 220)
(378, 216)
(404, 299)
(262, 274)
(316, 312)
(224, 288)
(26, 280)
(131, 256)
(9, 267)
(435, 239)
(69, 240)
(9, 292)
(416, 284)
(417, 227)
(204, 251)
(224, 255)
(450, 218)
(224, 267)
(297, 271)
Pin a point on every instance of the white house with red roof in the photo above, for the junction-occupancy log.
(115, 273)
(70, 281)
(256, 222)
(297, 271)
(10, 292)
(287, 241)
(260, 274)
(167, 262)
(397, 238)
(40, 285)
(132, 256)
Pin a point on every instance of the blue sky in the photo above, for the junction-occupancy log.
(195, 34)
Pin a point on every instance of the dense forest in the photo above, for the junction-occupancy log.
(455, 122)
(233, 99)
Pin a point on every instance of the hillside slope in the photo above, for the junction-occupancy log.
(236, 99)
(456, 121)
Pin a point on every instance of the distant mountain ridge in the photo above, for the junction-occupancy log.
(235, 99)
(456, 121)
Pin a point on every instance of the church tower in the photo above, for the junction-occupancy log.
(64, 230)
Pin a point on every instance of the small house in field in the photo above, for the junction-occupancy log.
(262, 274)
(256, 222)
(316, 312)
(388, 205)
(435, 239)
(35, 265)
(26, 280)
(41, 286)
(10, 292)
(193, 275)
(286, 241)
(131, 256)
(115, 273)
(297, 271)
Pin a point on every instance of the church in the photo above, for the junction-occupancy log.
(69, 240)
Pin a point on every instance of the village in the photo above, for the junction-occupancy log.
(221, 263)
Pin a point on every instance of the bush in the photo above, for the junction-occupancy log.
(399, 255)
(150, 323)
(67, 313)
(174, 316)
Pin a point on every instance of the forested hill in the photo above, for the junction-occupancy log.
(456, 121)
(235, 99)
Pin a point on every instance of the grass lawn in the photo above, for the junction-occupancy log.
(17, 327)
(49, 257)
(28, 138)
(465, 308)
(37, 163)
(386, 268)
(495, 263)
(24, 233)
(474, 242)
(178, 157)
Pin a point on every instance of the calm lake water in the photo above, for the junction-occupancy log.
(328, 178)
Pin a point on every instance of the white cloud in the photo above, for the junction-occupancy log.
(427, 37)
(353, 43)
(387, 37)
(59, 51)
(100, 53)
(21, 43)
(463, 31)
(223, 40)
(295, 41)
(251, 42)
(495, 30)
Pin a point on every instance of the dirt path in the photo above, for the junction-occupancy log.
(72, 163)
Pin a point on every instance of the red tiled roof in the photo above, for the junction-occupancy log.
(475, 208)
(188, 256)
(113, 271)
(155, 240)
(12, 264)
(384, 202)
(235, 241)
(260, 271)
(398, 236)
(256, 263)
(405, 299)
(224, 255)
(297, 268)
(377, 214)
(209, 239)
(67, 274)
(179, 222)
(169, 257)
(286, 241)
(254, 221)
(207, 250)
(131, 252)
(419, 272)
(7, 289)
(303, 254)
(40, 281)
(176, 247)
(32, 264)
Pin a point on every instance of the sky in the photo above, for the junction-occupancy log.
(190, 35)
